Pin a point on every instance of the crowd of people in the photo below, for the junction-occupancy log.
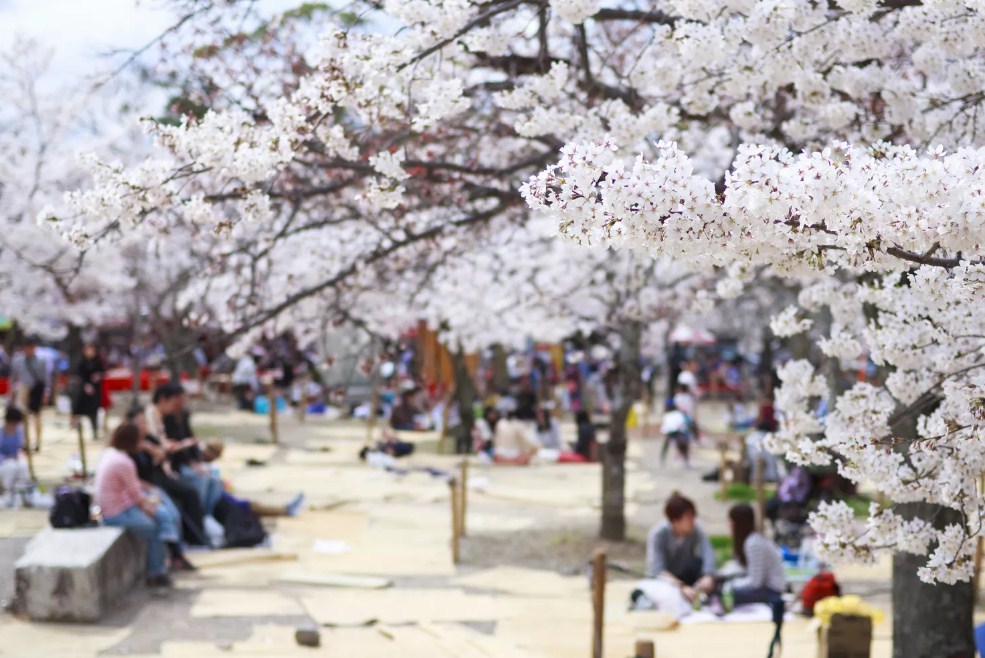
(161, 481)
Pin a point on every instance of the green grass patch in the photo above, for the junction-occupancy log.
(740, 492)
(722, 544)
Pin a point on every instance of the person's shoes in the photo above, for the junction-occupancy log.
(181, 563)
(160, 581)
(295, 506)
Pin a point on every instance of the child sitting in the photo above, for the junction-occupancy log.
(14, 472)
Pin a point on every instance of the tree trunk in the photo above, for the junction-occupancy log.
(73, 346)
(464, 397)
(626, 392)
(930, 621)
(500, 373)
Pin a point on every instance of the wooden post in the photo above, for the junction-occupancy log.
(760, 492)
(445, 414)
(37, 431)
(644, 649)
(28, 432)
(303, 402)
(598, 601)
(272, 398)
(28, 452)
(463, 496)
(82, 452)
(374, 406)
(723, 468)
(455, 523)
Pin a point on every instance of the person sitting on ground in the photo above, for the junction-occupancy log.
(404, 415)
(194, 463)
(167, 401)
(513, 442)
(586, 444)
(679, 551)
(548, 433)
(145, 473)
(14, 471)
(153, 466)
(123, 503)
(389, 445)
(526, 400)
(484, 429)
(764, 580)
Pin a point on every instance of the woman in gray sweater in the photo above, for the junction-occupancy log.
(679, 550)
(764, 579)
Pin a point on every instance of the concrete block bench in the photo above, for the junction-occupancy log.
(76, 574)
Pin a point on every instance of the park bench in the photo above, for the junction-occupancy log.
(76, 574)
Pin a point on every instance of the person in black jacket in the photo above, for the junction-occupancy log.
(154, 466)
(90, 373)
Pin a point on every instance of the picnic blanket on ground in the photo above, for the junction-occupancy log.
(744, 614)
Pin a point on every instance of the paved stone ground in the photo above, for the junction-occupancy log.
(518, 591)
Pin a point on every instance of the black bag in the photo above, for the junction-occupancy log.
(71, 509)
(243, 528)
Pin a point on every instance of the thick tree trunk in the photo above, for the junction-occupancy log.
(626, 392)
(930, 621)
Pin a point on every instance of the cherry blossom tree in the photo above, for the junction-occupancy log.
(46, 284)
(856, 175)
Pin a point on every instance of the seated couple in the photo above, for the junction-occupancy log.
(174, 460)
(679, 554)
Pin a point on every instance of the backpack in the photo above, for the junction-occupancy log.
(820, 586)
(70, 509)
(243, 528)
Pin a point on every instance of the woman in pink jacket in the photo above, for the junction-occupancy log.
(122, 502)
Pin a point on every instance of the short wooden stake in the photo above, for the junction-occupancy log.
(644, 649)
(82, 452)
(272, 396)
(37, 431)
(445, 416)
(455, 522)
(303, 402)
(598, 601)
(463, 497)
(723, 468)
(28, 453)
(760, 493)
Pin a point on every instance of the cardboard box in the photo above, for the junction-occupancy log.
(846, 637)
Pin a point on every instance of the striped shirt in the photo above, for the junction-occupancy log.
(764, 567)
(117, 486)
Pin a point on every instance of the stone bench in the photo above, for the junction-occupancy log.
(76, 574)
